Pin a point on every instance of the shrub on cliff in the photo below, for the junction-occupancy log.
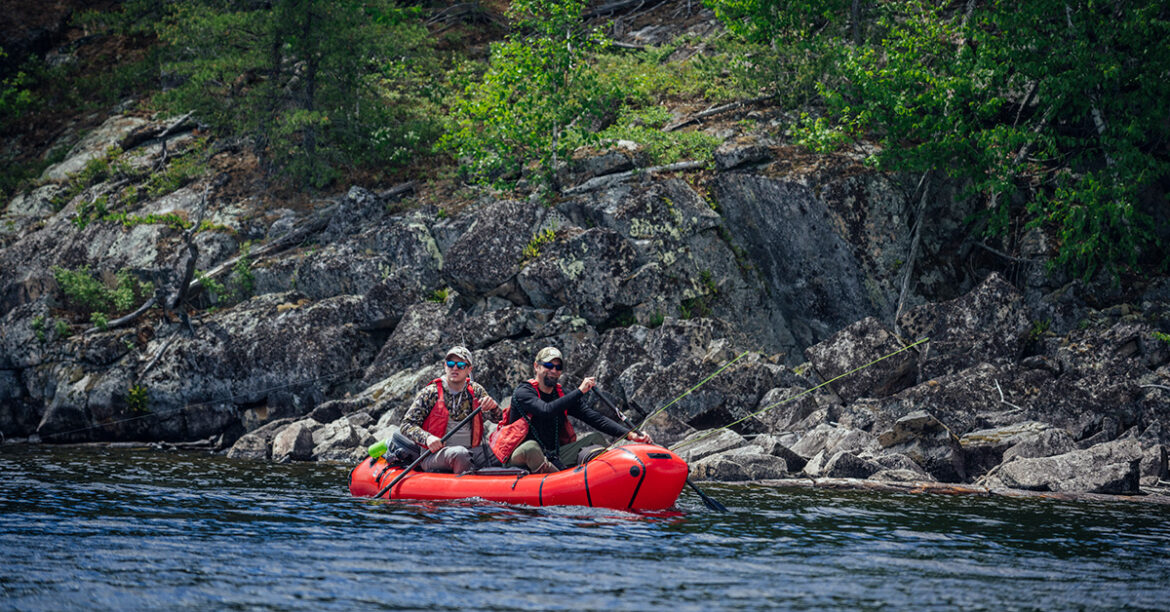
(537, 100)
(1052, 111)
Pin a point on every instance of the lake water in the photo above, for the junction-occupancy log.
(136, 530)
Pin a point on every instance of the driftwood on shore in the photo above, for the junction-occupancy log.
(1155, 495)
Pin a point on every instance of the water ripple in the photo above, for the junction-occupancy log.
(121, 529)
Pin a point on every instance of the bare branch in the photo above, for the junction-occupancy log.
(715, 111)
(120, 322)
(608, 180)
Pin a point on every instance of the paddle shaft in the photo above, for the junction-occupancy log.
(707, 500)
(428, 452)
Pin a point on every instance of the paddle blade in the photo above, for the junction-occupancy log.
(707, 500)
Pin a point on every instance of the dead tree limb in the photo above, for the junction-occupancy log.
(608, 180)
(318, 223)
(715, 111)
(915, 241)
(614, 7)
(123, 321)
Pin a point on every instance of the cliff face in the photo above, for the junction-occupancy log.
(327, 314)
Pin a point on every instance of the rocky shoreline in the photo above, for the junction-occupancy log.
(649, 281)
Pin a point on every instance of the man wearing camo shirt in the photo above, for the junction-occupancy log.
(443, 403)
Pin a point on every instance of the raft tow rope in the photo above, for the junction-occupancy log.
(797, 396)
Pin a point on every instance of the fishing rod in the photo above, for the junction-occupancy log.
(428, 452)
(712, 432)
(689, 391)
(709, 501)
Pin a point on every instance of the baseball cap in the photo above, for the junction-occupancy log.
(461, 353)
(549, 353)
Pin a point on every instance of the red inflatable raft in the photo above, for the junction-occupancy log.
(631, 477)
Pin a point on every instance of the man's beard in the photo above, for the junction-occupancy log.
(549, 381)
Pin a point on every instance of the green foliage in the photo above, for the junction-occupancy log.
(532, 249)
(62, 329)
(15, 97)
(1052, 111)
(700, 305)
(656, 320)
(89, 295)
(99, 320)
(317, 85)
(821, 134)
(242, 279)
(1039, 329)
(646, 78)
(537, 100)
(210, 285)
(787, 48)
(439, 296)
(138, 399)
(95, 171)
(181, 170)
(1164, 337)
(239, 285)
(38, 327)
(644, 127)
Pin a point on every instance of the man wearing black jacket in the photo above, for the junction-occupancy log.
(535, 431)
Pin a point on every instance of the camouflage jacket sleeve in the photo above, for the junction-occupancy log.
(412, 421)
(494, 414)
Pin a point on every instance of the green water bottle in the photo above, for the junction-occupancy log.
(378, 449)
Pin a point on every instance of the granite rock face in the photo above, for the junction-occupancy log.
(763, 296)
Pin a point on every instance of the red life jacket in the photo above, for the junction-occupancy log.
(436, 421)
(509, 435)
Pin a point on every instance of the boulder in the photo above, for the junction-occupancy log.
(845, 464)
(704, 444)
(250, 446)
(727, 398)
(489, 253)
(257, 444)
(341, 441)
(899, 467)
(774, 445)
(729, 156)
(1046, 443)
(94, 145)
(856, 346)
(985, 326)
(984, 396)
(1112, 467)
(733, 466)
(829, 440)
(782, 409)
(815, 281)
(280, 350)
(585, 271)
(986, 448)
(929, 443)
(294, 443)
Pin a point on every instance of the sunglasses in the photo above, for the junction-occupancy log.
(552, 366)
(457, 364)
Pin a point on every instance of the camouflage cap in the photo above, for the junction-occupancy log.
(547, 354)
(460, 353)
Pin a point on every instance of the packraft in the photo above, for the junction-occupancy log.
(635, 477)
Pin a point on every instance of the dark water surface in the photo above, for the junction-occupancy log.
(135, 530)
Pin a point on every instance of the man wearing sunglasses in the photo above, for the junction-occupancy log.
(443, 403)
(535, 431)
